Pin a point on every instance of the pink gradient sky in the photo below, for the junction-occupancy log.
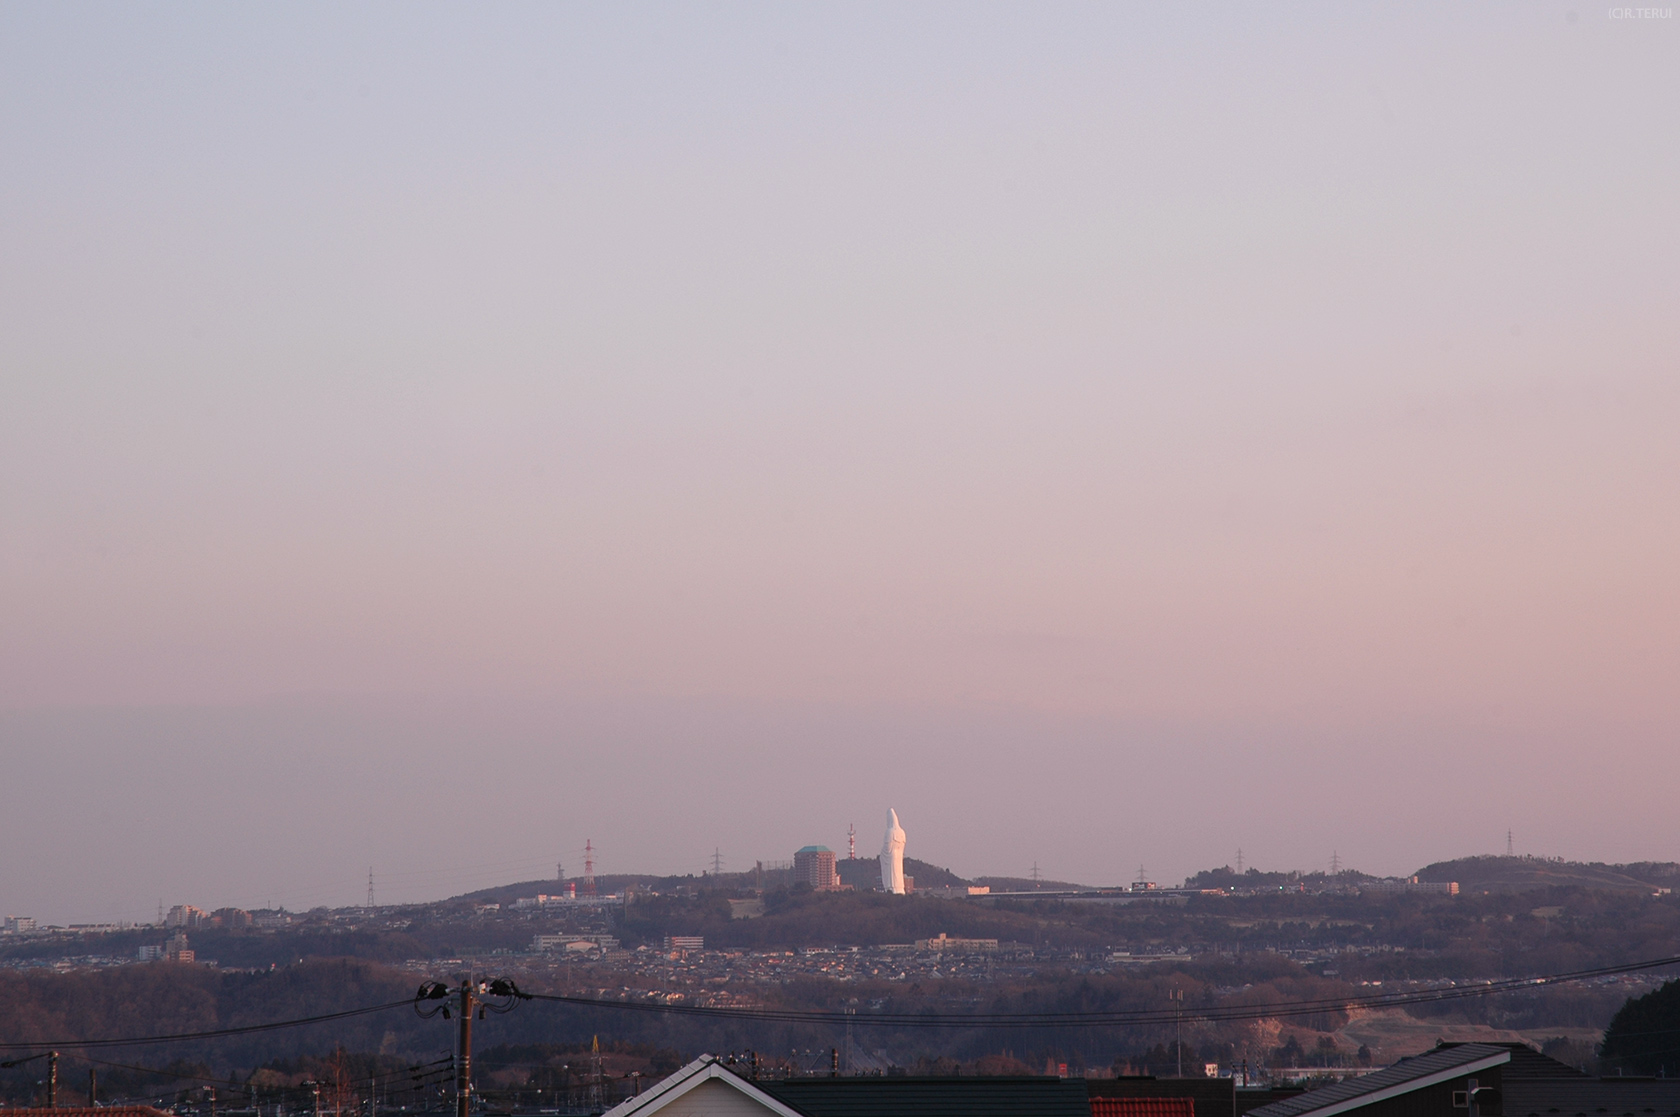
(1253, 427)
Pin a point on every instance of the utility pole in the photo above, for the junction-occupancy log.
(52, 1080)
(463, 1065)
(486, 995)
(93, 1087)
(1177, 997)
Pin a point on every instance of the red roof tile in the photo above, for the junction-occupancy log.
(1143, 1107)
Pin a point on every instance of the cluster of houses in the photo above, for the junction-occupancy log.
(1451, 1080)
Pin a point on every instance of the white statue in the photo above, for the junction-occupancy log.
(892, 856)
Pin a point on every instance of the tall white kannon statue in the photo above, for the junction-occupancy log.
(892, 856)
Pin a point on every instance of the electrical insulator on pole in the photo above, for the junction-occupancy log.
(500, 995)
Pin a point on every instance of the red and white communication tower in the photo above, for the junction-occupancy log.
(588, 867)
(851, 841)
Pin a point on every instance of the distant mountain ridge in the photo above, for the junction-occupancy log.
(1482, 874)
(862, 873)
(1520, 874)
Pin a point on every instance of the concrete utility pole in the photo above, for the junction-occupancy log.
(52, 1080)
(1177, 997)
(472, 1000)
(93, 1087)
(463, 1066)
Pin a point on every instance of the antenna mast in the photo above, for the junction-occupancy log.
(851, 841)
(588, 867)
(370, 886)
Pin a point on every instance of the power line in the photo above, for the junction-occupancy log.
(417, 1072)
(218, 1033)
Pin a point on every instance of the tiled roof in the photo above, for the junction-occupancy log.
(1213, 1097)
(1528, 1063)
(933, 1097)
(1407, 1074)
(1143, 1107)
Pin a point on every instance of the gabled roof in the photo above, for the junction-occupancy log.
(957, 1096)
(1527, 1063)
(696, 1074)
(1440, 1065)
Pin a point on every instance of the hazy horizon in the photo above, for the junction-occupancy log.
(291, 801)
(1108, 435)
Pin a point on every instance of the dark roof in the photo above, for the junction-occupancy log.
(84, 1111)
(1591, 1097)
(1529, 1063)
(1250, 1098)
(811, 849)
(932, 1097)
(1536, 1085)
(1407, 1074)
